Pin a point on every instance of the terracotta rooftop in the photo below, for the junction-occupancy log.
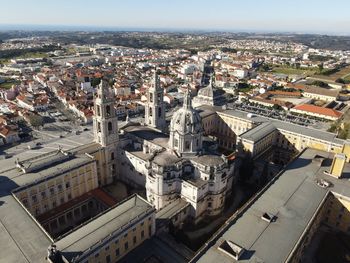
(318, 110)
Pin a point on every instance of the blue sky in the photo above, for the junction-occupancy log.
(319, 16)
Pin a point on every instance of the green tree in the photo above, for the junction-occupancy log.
(320, 67)
(36, 120)
(319, 83)
(95, 81)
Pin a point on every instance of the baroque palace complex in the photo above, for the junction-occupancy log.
(55, 209)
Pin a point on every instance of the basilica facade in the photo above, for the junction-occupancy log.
(182, 164)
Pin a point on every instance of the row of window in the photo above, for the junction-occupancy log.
(117, 251)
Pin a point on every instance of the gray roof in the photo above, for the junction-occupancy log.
(138, 153)
(21, 236)
(259, 132)
(43, 161)
(148, 134)
(166, 159)
(294, 198)
(26, 179)
(197, 182)
(287, 126)
(101, 227)
(154, 250)
(171, 209)
(208, 159)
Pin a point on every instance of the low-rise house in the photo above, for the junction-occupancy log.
(316, 111)
(33, 102)
(9, 133)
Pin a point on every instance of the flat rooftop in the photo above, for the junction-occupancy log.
(21, 236)
(154, 250)
(258, 133)
(293, 197)
(102, 226)
(148, 134)
(171, 209)
(287, 126)
(22, 179)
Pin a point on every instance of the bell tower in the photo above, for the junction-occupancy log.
(154, 109)
(105, 125)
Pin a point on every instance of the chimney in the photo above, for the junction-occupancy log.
(338, 164)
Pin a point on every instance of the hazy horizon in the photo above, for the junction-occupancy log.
(269, 16)
(94, 28)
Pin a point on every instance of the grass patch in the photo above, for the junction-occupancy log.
(343, 73)
(33, 55)
(8, 85)
(293, 71)
(4, 61)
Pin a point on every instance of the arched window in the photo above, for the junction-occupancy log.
(110, 127)
(98, 111)
(108, 110)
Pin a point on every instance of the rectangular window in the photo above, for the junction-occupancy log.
(187, 145)
(117, 253)
(134, 240)
(126, 246)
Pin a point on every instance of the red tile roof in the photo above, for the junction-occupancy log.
(318, 110)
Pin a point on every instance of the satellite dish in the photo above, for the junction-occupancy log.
(262, 90)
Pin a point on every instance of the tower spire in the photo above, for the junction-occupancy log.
(187, 99)
(154, 108)
(105, 123)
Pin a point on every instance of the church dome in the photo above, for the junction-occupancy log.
(186, 119)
